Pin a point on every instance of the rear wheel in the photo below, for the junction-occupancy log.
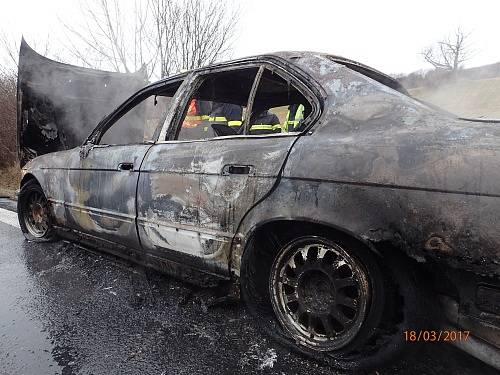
(34, 214)
(320, 293)
(331, 299)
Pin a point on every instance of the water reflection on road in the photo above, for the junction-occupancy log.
(66, 310)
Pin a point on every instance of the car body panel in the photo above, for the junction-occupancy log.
(189, 203)
(74, 187)
(106, 203)
(52, 173)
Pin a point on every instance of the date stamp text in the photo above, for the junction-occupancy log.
(436, 336)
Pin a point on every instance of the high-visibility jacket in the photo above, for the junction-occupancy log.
(192, 118)
(204, 108)
(223, 119)
(265, 123)
(195, 124)
(294, 115)
(227, 114)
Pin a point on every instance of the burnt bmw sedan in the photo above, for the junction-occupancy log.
(357, 220)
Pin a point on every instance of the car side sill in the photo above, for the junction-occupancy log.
(169, 267)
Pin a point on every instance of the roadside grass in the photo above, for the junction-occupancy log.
(9, 181)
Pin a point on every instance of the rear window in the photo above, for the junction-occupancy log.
(371, 73)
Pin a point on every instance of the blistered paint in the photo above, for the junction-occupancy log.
(194, 207)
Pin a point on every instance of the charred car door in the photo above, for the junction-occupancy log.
(105, 203)
(197, 184)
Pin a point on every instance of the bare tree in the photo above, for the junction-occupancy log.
(8, 151)
(11, 51)
(450, 53)
(203, 34)
(164, 36)
(108, 38)
(165, 18)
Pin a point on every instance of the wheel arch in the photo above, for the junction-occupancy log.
(278, 225)
(28, 177)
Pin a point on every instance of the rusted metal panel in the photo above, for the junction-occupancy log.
(105, 196)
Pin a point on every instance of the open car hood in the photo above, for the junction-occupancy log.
(58, 105)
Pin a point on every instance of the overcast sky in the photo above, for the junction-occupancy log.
(385, 34)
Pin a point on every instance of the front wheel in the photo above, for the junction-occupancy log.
(34, 214)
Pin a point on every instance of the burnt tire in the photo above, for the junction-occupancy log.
(301, 310)
(34, 214)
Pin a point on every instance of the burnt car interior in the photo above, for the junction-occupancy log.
(139, 123)
(224, 98)
(274, 92)
(223, 94)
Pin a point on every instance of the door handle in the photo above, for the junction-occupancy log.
(237, 169)
(126, 166)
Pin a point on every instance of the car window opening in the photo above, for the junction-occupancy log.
(219, 106)
(278, 107)
(139, 123)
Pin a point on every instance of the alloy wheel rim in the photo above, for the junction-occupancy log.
(36, 215)
(320, 294)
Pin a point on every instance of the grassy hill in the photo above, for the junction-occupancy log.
(464, 97)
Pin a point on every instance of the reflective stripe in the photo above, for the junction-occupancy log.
(277, 127)
(297, 116)
(217, 118)
(205, 117)
(261, 127)
(193, 118)
(234, 123)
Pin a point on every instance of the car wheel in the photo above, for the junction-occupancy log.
(332, 300)
(34, 214)
(320, 293)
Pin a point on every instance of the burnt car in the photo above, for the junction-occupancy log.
(356, 220)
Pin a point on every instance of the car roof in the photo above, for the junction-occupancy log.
(293, 55)
(351, 64)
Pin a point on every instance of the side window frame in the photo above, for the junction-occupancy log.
(303, 89)
(136, 99)
(171, 134)
(193, 81)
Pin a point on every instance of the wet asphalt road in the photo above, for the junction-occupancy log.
(65, 310)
